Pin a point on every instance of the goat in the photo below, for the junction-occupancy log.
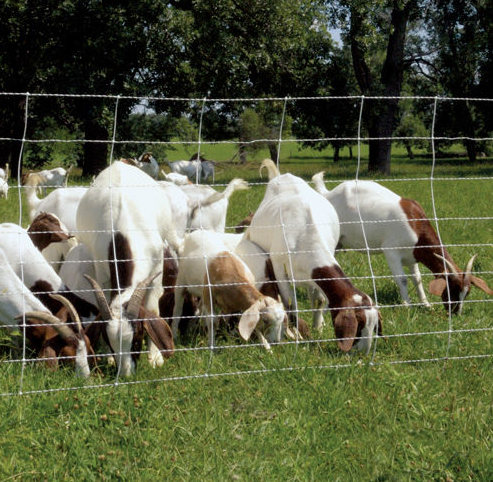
(52, 238)
(175, 178)
(191, 169)
(214, 273)
(208, 207)
(4, 184)
(52, 338)
(62, 202)
(146, 163)
(56, 177)
(299, 229)
(37, 274)
(126, 241)
(208, 167)
(400, 229)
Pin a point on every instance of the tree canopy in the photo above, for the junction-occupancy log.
(239, 49)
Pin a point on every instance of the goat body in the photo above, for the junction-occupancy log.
(210, 271)
(300, 229)
(400, 229)
(126, 241)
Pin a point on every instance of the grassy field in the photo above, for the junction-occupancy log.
(305, 412)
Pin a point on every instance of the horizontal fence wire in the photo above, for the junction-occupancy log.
(365, 273)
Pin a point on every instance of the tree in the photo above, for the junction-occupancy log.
(458, 36)
(376, 33)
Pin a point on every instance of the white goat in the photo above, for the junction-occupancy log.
(62, 202)
(56, 177)
(52, 238)
(78, 263)
(175, 178)
(36, 273)
(126, 240)
(218, 276)
(399, 229)
(191, 169)
(299, 229)
(208, 207)
(49, 336)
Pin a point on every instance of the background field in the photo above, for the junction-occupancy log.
(305, 412)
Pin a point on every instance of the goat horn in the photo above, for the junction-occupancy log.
(74, 316)
(451, 266)
(138, 295)
(64, 330)
(468, 271)
(104, 307)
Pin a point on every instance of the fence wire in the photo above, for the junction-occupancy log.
(366, 274)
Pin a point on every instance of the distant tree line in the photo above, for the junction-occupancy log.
(240, 49)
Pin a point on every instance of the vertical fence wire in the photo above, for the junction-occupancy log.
(435, 217)
(281, 127)
(285, 227)
(117, 276)
(21, 253)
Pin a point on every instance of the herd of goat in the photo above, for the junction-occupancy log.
(121, 258)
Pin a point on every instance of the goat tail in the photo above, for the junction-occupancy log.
(318, 181)
(272, 170)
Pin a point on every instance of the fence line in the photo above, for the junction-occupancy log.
(377, 356)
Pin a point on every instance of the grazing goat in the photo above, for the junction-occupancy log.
(126, 240)
(208, 167)
(299, 229)
(214, 273)
(36, 273)
(56, 177)
(49, 336)
(4, 184)
(62, 202)
(399, 228)
(52, 238)
(191, 169)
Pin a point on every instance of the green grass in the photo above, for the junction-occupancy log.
(305, 412)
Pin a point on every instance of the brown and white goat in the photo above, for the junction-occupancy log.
(51, 237)
(400, 229)
(222, 280)
(299, 229)
(126, 241)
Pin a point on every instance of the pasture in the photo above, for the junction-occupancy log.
(419, 407)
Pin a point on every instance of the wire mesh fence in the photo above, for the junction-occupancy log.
(132, 235)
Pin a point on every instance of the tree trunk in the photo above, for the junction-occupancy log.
(95, 153)
(242, 154)
(13, 148)
(409, 149)
(466, 122)
(273, 151)
(380, 118)
(337, 149)
(351, 152)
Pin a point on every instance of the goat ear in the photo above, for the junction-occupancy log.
(249, 320)
(160, 333)
(437, 286)
(481, 284)
(346, 326)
